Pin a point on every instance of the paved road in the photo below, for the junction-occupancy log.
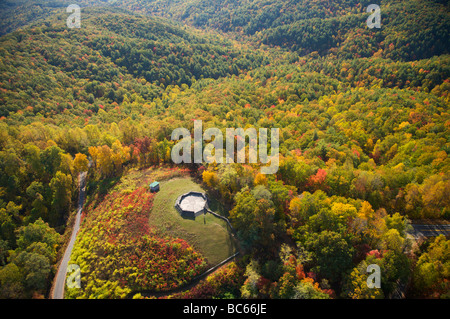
(60, 278)
(429, 230)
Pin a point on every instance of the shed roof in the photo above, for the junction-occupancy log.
(154, 184)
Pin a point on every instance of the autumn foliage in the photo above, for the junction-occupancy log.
(117, 248)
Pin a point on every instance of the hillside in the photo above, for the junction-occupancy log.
(363, 149)
(415, 29)
(88, 66)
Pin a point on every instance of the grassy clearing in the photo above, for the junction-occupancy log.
(208, 234)
(128, 182)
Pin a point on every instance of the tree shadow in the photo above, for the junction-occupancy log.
(217, 206)
(100, 187)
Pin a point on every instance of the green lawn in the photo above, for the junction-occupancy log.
(208, 234)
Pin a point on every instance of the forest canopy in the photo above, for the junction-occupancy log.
(364, 139)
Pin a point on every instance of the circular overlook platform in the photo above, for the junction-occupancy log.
(192, 204)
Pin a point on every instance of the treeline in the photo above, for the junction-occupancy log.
(38, 185)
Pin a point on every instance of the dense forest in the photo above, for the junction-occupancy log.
(364, 139)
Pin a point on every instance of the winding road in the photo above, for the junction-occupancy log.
(60, 278)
